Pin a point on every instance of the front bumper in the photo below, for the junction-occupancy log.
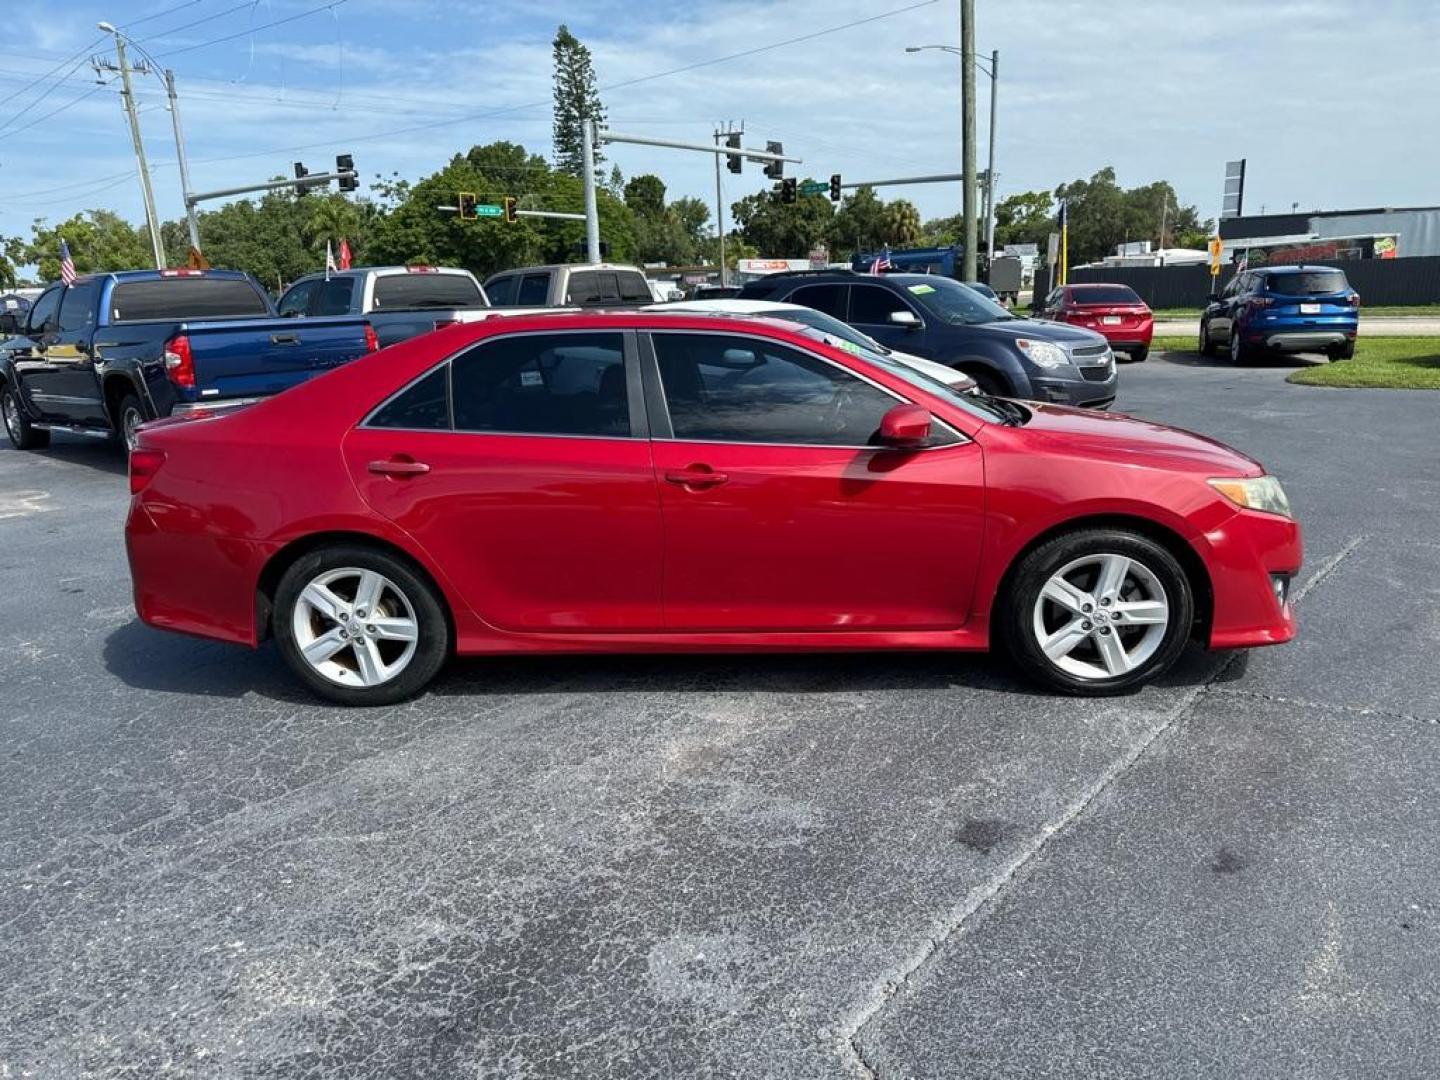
(1247, 554)
(1090, 387)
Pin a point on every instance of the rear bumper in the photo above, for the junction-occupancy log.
(1306, 340)
(1248, 555)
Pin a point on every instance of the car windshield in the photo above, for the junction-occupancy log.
(951, 302)
(976, 405)
(1308, 283)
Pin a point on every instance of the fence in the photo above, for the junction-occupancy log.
(1378, 281)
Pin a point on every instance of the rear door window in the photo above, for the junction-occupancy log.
(1309, 283)
(334, 297)
(424, 406)
(534, 291)
(584, 288)
(827, 298)
(46, 310)
(186, 298)
(297, 300)
(543, 384)
(409, 291)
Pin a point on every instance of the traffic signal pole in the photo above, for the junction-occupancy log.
(967, 131)
(592, 213)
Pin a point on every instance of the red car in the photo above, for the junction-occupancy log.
(663, 482)
(1112, 310)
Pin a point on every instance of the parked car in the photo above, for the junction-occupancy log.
(714, 292)
(1116, 312)
(570, 285)
(843, 333)
(1283, 309)
(110, 351)
(645, 481)
(944, 321)
(398, 301)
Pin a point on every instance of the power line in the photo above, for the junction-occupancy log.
(35, 82)
(55, 112)
(263, 26)
(162, 14)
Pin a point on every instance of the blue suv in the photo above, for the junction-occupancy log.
(1283, 309)
(941, 320)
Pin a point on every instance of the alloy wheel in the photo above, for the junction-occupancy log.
(355, 627)
(1234, 345)
(130, 420)
(1101, 616)
(12, 416)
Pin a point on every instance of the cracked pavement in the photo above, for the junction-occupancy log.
(902, 866)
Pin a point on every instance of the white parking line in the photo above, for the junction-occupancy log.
(14, 504)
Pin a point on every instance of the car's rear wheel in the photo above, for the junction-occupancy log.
(1240, 353)
(128, 419)
(1096, 612)
(1341, 352)
(359, 626)
(1137, 356)
(23, 436)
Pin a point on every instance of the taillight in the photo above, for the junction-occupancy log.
(1353, 299)
(372, 339)
(1261, 301)
(180, 362)
(144, 464)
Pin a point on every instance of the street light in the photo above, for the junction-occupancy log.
(994, 73)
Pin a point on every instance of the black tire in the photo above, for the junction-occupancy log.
(128, 416)
(1137, 356)
(1240, 353)
(432, 640)
(23, 436)
(988, 382)
(1342, 352)
(1153, 652)
(1207, 343)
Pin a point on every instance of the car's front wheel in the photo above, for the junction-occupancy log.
(1207, 345)
(360, 626)
(1098, 611)
(23, 436)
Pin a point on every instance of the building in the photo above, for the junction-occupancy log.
(1323, 235)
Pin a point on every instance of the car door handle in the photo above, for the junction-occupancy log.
(696, 476)
(284, 339)
(398, 467)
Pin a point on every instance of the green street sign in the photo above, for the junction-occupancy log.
(812, 187)
(488, 210)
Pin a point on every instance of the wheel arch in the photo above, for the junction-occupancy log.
(1185, 554)
(281, 561)
(113, 389)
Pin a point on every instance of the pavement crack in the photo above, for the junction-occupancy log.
(1328, 567)
(1330, 706)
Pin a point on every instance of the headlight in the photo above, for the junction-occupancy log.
(1042, 353)
(1254, 493)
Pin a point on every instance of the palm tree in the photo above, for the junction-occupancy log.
(901, 222)
(332, 219)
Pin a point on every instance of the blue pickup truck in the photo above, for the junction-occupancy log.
(109, 351)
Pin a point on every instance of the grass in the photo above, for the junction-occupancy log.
(1431, 311)
(1401, 363)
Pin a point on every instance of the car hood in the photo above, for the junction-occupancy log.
(1118, 437)
(1045, 331)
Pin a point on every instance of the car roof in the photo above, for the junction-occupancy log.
(1301, 269)
(566, 266)
(732, 304)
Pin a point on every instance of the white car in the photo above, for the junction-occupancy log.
(826, 324)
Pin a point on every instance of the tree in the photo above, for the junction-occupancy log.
(859, 224)
(576, 100)
(10, 249)
(693, 215)
(645, 194)
(98, 240)
(1024, 218)
(783, 230)
(1103, 215)
(901, 223)
(331, 219)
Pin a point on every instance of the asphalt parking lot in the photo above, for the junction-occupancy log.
(900, 866)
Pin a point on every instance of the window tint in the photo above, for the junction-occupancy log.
(296, 300)
(534, 291)
(1104, 294)
(634, 287)
(45, 310)
(725, 388)
(827, 298)
(423, 407)
(584, 288)
(501, 290)
(186, 298)
(77, 309)
(872, 304)
(543, 384)
(334, 296)
(1308, 283)
(398, 292)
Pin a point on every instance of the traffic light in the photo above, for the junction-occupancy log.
(835, 187)
(300, 173)
(787, 189)
(344, 163)
(734, 162)
(774, 169)
(466, 202)
(509, 203)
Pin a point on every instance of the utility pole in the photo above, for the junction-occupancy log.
(190, 218)
(152, 221)
(967, 131)
(720, 215)
(990, 169)
(592, 214)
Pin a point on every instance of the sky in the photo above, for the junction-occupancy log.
(1332, 102)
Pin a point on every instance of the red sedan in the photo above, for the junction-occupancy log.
(664, 482)
(1114, 311)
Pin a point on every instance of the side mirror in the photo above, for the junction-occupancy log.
(907, 319)
(905, 427)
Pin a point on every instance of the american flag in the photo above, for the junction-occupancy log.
(67, 264)
(882, 263)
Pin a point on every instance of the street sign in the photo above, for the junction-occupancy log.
(812, 187)
(489, 210)
(1216, 246)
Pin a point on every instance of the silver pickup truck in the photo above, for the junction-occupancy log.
(400, 302)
